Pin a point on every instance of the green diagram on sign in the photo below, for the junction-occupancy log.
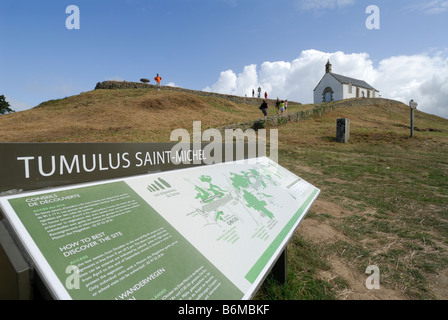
(244, 196)
(211, 192)
(259, 205)
(158, 185)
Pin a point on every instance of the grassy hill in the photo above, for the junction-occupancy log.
(384, 202)
(128, 115)
(384, 197)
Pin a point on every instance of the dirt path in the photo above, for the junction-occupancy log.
(321, 232)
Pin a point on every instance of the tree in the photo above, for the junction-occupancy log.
(4, 105)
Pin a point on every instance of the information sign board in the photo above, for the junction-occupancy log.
(31, 166)
(208, 232)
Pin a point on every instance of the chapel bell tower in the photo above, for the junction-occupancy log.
(328, 67)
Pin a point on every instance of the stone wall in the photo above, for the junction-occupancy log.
(114, 85)
(280, 119)
(318, 111)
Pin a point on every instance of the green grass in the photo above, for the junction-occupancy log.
(397, 193)
(304, 261)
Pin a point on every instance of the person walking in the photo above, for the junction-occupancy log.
(286, 106)
(265, 95)
(277, 105)
(158, 79)
(282, 107)
(264, 108)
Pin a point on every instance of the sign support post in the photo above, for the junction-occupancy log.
(19, 275)
(280, 269)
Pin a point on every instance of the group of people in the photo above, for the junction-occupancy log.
(280, 105)
(259, 93)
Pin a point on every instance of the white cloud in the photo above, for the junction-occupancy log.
(247, 79)
(422, 77)
(240, 84)
(225, 84)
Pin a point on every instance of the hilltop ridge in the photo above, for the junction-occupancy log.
(138, 112)
(119, 85)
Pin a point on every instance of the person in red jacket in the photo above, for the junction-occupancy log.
(158, 80)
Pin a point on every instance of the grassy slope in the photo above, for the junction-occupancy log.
(384, 196)
(138, 115)
(384, 202)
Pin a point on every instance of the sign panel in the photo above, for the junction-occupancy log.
(31, 166)
(208, 232)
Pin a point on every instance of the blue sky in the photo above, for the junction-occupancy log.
(226, 46)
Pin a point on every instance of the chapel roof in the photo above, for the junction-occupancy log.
(346, 80)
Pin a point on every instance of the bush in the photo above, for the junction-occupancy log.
(4, 106)
(259, 125)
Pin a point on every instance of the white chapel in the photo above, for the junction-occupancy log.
(335, 87)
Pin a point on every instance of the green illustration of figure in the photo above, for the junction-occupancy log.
(205, 195)
(219, 216)
(259, 205)
(243, 181)
(240, 181)
(216, 190)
